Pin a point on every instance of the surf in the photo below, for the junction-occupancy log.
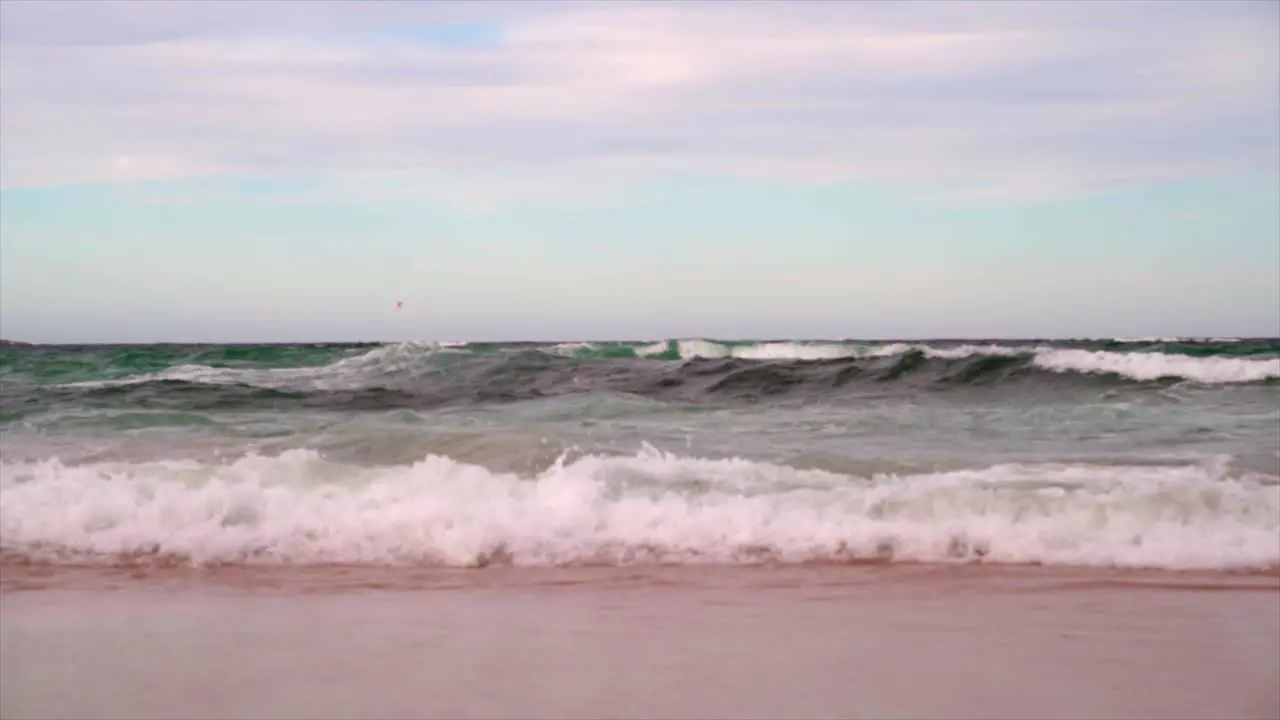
(298, 507)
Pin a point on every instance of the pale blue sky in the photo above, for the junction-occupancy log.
(286, 171)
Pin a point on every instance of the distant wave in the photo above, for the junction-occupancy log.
(423, 375)
(1155, 365)
(650, 507)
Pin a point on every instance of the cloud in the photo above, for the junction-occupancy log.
(990, 101)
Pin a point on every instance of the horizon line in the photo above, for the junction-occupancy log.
(6, 342)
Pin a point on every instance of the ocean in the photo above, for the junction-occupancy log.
(818, 528)
(1141, 453)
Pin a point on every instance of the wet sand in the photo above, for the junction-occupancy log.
(800, 642)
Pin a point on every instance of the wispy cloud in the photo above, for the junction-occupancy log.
(962, 100)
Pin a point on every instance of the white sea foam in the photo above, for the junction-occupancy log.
(1153, 365)
(569, 349)
(656, 348)
(766, 351)
(795, 351)
(954, 352)
(300, 508)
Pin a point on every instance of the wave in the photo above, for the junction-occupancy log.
(1155, 365)
(1141, 366)
(352, 372)
(427, 375)
(300, 508)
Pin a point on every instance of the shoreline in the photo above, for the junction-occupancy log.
(24, 576)
(870, 641)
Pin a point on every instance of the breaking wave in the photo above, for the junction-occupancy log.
(301, 508)
(426, 375)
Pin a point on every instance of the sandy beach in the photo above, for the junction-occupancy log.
(798, 642)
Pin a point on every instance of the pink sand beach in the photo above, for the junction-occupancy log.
(829, 641)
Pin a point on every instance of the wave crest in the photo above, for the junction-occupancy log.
(651, 507)
(429, 375)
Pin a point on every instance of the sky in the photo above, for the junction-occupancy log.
(288, 171)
